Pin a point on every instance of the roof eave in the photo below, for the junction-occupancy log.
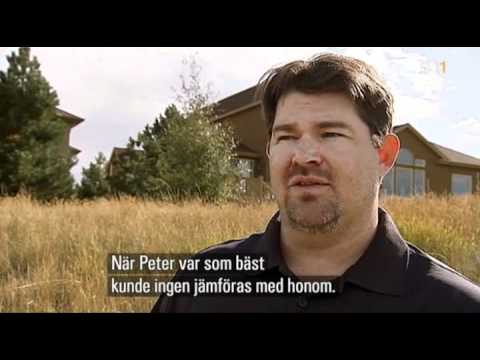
(423, 139)
(459, 164)
(237, 111)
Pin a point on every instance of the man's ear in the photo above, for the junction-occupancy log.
(388, 152)
(267, 149)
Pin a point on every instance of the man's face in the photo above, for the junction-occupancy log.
(324, 168)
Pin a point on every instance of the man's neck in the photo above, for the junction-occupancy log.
(329, 254)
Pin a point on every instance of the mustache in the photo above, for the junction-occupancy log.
(299, 170)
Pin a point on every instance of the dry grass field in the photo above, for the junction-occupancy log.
(53, 257)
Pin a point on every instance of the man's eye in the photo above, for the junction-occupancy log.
(331, 135)
(285, 137)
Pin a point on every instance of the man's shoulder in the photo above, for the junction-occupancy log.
(441, 283)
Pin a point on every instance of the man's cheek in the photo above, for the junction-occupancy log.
(281, 174)
(346, 182)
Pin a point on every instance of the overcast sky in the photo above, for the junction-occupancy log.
(119, 90)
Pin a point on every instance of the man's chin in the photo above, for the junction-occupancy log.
(313, 216)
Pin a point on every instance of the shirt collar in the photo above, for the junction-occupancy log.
(382, 268)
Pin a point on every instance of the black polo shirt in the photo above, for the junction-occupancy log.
(391, 276)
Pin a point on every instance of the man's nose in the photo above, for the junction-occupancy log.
(307, 153)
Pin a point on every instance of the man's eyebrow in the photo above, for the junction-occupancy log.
(283, 127)
(322, 125)
(333, 124)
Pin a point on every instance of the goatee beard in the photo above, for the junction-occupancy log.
(325, 220)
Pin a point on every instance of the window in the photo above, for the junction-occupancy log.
(407, 177)
(419, 181)
(461, 184)
(404, 181)
(246, 167)
(405, 157)
(420, 162)
(243, 186)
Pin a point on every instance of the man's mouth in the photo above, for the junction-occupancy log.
(307, 182)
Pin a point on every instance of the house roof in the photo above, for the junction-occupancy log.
(74, 150)
(399, 128)
(74, 119)
(449, 156)
(244, 150)
(456, 156)
(246, 98)
(116, 156)
(116, 152)
(236, 102)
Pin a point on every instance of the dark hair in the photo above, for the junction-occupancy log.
(326, 73)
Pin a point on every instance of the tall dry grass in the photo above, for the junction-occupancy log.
(448, 227)
(53, 257)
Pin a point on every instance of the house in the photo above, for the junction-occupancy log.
(118, 155)
(243, 114)
(71, 121)
(422, 166)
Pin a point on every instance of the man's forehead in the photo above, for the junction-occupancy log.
(324, 98)
(329, 110)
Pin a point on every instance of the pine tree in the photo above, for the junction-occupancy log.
(137, 170)
(94, 179)
(33, 156)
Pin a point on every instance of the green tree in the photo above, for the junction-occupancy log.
(197, 158)
(33, 154)
(184, 153)
(138, 168)
(130, 171)
(199, 152)
(94, 179)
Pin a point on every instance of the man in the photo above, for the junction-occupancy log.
(330, 144)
